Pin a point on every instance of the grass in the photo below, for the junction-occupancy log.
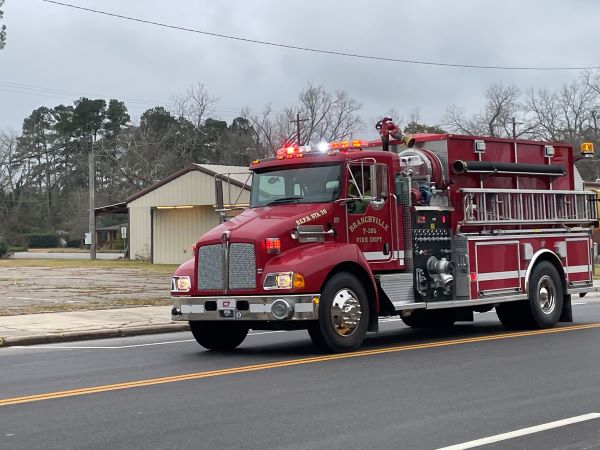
(166, 269)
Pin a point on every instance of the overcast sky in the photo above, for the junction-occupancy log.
(56, 54)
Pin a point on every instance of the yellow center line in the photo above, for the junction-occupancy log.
(285, 363)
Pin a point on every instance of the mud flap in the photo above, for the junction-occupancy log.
(567, 311)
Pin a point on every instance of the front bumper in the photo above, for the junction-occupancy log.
(246, 308)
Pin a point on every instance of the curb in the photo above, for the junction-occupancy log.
(92, 334)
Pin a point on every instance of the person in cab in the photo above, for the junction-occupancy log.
(359, 189)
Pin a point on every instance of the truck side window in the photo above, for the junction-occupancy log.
(361, 184)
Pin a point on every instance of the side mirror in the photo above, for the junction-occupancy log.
(379, 182)
(219, 194)
(219, 200)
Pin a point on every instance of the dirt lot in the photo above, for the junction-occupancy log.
(37, 286)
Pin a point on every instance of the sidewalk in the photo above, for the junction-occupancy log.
(34, 329)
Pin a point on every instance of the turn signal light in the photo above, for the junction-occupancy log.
(298, 281)
(273, 246)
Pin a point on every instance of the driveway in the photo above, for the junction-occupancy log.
(27, 290)
(61, 255)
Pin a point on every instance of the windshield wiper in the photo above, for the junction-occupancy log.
(295, 199)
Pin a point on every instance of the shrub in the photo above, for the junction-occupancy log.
(118, 243)
(3, 248)
(16, 249)
(74, 243)
(42, 240)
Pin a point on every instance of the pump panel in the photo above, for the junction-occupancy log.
(432, 262)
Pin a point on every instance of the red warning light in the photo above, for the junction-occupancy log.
(273, 246)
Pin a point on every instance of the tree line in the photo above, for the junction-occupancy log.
(570, 113)
(44, 167)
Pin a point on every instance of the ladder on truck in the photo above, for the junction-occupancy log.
(484, 206)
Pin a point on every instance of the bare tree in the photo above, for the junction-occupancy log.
(2, 28)
(194, 105)
(568, 114)
(267, 139)
(502, 104)
(543, 107)
(15, 174)
(324, 117)
(328, 117)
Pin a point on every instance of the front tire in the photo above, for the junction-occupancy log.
(218, 336)
(343, 315)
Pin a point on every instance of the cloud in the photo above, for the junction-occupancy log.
(64, 49)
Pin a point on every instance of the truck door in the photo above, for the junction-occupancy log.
(369, 219)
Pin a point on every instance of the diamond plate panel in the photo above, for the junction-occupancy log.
(398, 287)
(460, 258)
(242, 266)
(210, 267)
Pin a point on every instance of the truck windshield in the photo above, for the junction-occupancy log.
(320, 184)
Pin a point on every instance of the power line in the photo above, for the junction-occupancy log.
(316, 50)
(139, 104)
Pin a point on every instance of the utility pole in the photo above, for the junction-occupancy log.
(514, 125)
(92, 187)
(298, 120)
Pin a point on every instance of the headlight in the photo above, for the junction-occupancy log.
(283, 280)
(181, 284)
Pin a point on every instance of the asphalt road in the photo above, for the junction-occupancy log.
(403, 389)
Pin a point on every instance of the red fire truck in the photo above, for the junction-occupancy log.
(432, 228)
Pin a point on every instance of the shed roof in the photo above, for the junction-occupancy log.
(589, 169)
(238, 177)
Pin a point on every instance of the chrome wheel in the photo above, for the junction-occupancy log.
(546, 294)
(345, 312)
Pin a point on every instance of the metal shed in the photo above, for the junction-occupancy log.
(167, 218)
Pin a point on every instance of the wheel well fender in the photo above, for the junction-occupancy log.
(367, 281)
(550, 256)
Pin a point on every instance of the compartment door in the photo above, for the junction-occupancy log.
(497, 265)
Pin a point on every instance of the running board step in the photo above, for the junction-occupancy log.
(399, 289)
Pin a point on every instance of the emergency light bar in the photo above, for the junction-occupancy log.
(331, 148)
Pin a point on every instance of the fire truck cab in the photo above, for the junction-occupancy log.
(431, 228)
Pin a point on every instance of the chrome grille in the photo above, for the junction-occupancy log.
(242, 267)
(210, 267)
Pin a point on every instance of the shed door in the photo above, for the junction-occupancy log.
(174, 231)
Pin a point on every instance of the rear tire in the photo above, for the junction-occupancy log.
(545, 295)
(545, 304)
(343, 315)
(218, 336)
